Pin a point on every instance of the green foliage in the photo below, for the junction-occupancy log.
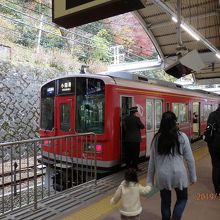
(8, 9)
(154, 55)
(92, 28)
(84, 56)
(28, 36)
(100, 43)
(101, 46)
(42, 9)
(49, 41)
(93, 46)
(158, 74)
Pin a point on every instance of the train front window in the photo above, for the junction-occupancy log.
(90, 105)
(47, 113)
(47, 106)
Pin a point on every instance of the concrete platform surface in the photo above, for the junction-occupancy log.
(202, 203)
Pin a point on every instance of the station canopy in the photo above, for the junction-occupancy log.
(186, 33)
(198, 29)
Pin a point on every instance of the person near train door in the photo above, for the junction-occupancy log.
(132, 127)
(169, 148)
(195, 117)
(214, 148)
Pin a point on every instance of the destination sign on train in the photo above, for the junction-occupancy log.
(72, 13)
(65, 86)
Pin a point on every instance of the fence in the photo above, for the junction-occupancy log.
(31, 170)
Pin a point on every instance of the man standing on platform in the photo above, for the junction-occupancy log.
(132, 128)
(214, 148)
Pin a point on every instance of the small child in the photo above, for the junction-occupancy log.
(129, 192)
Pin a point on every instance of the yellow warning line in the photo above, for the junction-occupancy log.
(102, 207)
(201, 152)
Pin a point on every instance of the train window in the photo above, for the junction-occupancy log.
(90, 105)
(207, 111)
(65, 117)
(158, 112)
(181, 111)
(202, 113)
(47, 113)
(149, 115)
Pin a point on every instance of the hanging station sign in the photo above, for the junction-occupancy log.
(72, 13)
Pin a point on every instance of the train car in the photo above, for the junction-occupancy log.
(99, 103)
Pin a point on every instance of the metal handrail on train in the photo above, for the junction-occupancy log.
(29, 169)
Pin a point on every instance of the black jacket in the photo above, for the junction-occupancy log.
(132, 128)
(214, 117)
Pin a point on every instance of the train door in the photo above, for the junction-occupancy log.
(65, 115)
(125, 104)
(168, 106)
(65, 120)
(154, 110)
(196, 120)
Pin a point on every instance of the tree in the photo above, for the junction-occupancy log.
(101, 46)
(27, 37)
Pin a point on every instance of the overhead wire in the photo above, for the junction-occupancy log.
(20, 37)
(24, 7)
(48, 32)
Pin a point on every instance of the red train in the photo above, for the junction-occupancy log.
(99, 103)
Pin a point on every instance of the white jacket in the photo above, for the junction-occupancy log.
(129, 193)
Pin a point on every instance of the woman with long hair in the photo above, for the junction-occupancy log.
(168, 150)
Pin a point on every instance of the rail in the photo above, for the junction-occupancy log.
(31, 170)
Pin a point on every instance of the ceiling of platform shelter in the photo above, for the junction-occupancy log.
(202, 17)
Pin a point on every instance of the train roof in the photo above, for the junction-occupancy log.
(126, 78)
(156, 82)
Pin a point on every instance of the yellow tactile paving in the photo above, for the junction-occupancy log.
(102, 207)
(201, 152)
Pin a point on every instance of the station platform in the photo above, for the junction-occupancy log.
(91, 201)
(202, 202)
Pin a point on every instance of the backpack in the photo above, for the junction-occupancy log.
(209, 132)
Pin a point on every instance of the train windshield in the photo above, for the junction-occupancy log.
(47, 106)
(90, 105)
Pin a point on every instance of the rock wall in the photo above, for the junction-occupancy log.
(19, 100)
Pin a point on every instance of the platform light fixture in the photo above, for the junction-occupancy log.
(171, 11)
(185, 28)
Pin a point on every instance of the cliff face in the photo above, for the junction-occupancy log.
(127, 29)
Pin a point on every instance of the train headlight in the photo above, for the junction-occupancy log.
(88, 147)
(92, 147)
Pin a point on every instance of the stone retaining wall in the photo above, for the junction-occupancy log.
(19, 100)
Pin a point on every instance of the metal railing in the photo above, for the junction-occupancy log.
(31, 170)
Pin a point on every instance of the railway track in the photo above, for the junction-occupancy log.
(27, 173)
(22, 175)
